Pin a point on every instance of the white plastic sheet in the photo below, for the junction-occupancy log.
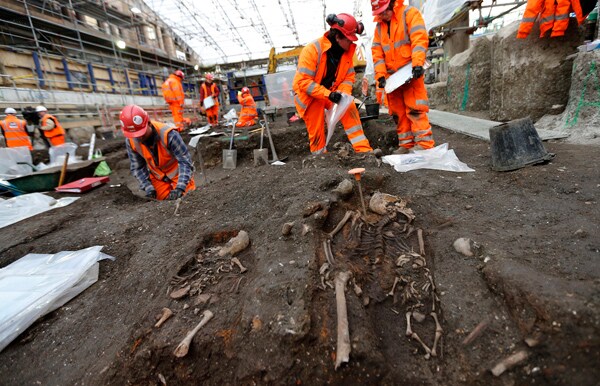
(21, 207)
(333, 116)
(398, 78)
(438, 12)
(279, 88)
(57, 153)
(439, 158)
(38, 284)
(231, 114)
(9, 162)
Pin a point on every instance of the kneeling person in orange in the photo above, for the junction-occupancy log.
(325, 71)
(248, 113)
(51, 127)
(14, 130)
(159, 158)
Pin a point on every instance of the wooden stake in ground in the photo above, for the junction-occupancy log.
(343, 333)
(183, 347)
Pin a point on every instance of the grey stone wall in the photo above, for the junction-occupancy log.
(531, 76)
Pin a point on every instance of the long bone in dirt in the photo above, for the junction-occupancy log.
(166, 314)
(413, 335)
(183, 347)
(342, 353)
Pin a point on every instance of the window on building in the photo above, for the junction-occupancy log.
(140, 33)
(180, 55)
(150, 32)
(90, 21)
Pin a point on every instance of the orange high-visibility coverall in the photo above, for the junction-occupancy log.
(15, 132)
(554, 15)
(206, 90)
(311, 99)
(164, 174)
(248, 113)
(404, 40)
(56, 136)
(172, 90)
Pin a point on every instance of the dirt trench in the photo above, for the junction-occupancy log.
(537, 228)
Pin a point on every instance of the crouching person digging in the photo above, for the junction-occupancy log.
(159, 158)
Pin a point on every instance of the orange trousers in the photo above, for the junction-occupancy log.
(314, 117)
(164, 188)
(213, 114)
(411, 105)
(177, 111)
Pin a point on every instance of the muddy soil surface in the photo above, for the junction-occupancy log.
(533, 281)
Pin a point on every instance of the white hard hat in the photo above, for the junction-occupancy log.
(10, 110)
(40, 108)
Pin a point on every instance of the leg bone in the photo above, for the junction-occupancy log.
(438, 334)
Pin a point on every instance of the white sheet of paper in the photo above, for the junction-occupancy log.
(398, 78)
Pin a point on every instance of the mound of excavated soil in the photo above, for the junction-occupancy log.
(533, 277)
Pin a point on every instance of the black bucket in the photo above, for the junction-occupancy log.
(372, 110)
(516, 144)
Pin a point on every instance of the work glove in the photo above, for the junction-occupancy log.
(418, 71)
(381, 82)
(175, 194)
(335, 97)
(151, 193)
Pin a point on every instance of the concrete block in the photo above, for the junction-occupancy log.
(81, 134)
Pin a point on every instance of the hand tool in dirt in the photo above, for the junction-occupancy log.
(194, 143)
(357, 172)
(230, 156)
(275, 157)
(261, 156)
(63, 171)
(177, 205)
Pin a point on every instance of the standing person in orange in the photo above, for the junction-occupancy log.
(248, 113)
(210, 89)
(51, 127)
(401, 38)
(160, 160)
(13, 128)
(325, 71)
(172, 90)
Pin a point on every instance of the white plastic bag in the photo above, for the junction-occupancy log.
(439, 158)
(333, 116)
(10, 158)
(231, 114)
(57, 153)
(38, 284)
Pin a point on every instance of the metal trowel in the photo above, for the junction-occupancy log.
(230, 156)
(261, 156)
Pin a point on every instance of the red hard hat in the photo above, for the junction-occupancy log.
(378, 6)
(209, 76)
(134, 121)
(245, 90)
(179, 73)
(347, 25)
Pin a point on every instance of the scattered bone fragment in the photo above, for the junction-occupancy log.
(181, 292)
(236, 244)
(421, 242)
(324, 268)
(162, 379)
(186, 306)
(311, 208)
(344, 188)
(463, 245)
(202, 299)
(182, 349)
(166, 314)
(366, 301)
(343, 333)
(380, 201)
(477, 331)
(357, 290)
(509, 362)
(532, 342)
(286, 229)
(306, 229)
(341, 224)
(237, 262)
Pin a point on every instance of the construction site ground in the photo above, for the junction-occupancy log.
(533, 280)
